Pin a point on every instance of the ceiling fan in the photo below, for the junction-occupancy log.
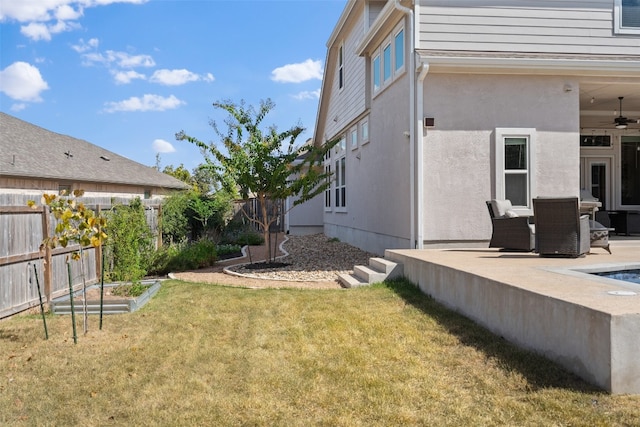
(622, 122)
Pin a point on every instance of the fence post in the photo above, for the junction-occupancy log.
(159, 228)
(48, 267)
(98, 249)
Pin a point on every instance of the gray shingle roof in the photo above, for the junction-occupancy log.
(30, 151)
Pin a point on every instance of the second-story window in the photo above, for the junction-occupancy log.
(341, 67)
(388, 61)
(399, 50)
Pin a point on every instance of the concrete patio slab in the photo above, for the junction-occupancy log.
(590, 325)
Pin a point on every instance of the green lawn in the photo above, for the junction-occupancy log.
(208, 355)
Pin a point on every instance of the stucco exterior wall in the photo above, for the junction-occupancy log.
(377, 215)
(305, 218)
(460, 150)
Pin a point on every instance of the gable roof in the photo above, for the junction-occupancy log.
(29, 151)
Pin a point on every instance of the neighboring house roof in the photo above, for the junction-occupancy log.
(30, 151)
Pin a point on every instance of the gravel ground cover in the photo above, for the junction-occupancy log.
(309, 258)
(314, 262)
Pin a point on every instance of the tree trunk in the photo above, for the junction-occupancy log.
(265, 224)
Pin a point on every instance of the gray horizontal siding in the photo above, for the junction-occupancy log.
(581, 27)
(349, 102)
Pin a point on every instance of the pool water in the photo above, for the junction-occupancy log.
(632, 276)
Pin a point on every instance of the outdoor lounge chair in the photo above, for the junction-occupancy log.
(510, 232)
(560, 229)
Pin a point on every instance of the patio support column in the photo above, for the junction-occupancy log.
(412, 119)
(423, 69)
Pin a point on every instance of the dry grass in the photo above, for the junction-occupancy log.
(207, 355)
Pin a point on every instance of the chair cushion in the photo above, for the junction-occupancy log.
(511, 214)
(500, 207)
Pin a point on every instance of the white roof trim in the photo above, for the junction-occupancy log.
(488, 62)
(383, 17)
(341, 21)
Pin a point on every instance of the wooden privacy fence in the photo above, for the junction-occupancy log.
(22, 230)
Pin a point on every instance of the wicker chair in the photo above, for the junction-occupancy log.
(511, 234)
(560, 230)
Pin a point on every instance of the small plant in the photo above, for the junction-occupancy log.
(242, 235)
(130, 290)
(227, 249)
(334, 240)
(75, 225)
(187, 256)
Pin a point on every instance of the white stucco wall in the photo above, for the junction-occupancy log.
(305, 218)
(377, 215)
(460, 157)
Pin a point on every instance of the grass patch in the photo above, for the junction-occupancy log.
(198, 354)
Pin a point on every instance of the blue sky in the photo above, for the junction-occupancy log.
(128, 74)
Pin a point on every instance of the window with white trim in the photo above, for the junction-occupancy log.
(376, 73)
(386, 63)
(388, 60)
(364, 131)
(626, 16)
(327, 191)
(515, 163)
(399, 50)
(341, 67)
(341, 182)
(354, 138)
(340, 175)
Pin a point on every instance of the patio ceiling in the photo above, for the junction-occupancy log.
(599, 104)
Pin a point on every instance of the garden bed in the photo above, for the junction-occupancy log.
(112, 304)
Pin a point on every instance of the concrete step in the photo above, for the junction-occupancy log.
(390, 268)
(378, 270)
(350, 280)
(368, 275)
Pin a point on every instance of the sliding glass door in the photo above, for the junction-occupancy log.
(630, 170)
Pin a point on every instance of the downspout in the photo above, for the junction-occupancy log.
(423, 69)
(412, 126)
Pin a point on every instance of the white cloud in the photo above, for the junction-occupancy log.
(18, 107)
(297, 73)
(44, 10)
(83, 46)
(43, 18)
(178, 77)
(162, 146)
(23, 82)
(68, 13)
(36, 31)
(40, 31)
(120, 59)
(125, 77)
(306, 94)
(146, 103)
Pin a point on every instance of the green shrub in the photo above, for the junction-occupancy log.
(130, 243)
(185, 256)
(226, 249)
(237, 233)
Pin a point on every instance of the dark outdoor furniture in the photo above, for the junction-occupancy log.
(510, 233)
(560, 229)
(599, 235)
(624, 221)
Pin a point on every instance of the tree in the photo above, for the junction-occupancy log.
(75, 225)
(131, 243)
(255, 162)
(180, 173)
